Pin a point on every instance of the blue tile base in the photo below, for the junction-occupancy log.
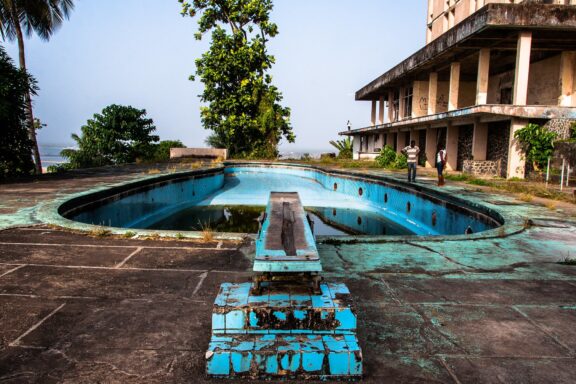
(280, 356)
(284, 332)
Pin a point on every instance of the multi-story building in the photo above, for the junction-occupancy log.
(489, 68)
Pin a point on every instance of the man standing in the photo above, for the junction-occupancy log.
(412, 152)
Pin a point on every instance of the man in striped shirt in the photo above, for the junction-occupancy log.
(412, 152)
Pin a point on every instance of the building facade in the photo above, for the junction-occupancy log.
(488, 69)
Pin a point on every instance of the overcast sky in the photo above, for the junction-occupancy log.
(141, 53)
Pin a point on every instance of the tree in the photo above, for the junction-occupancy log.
(15, 146)
(19, 18)
(537, 143)
(118, 135)
(344, 147)
(161, 151)
(243, 107)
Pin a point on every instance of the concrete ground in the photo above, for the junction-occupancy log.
(82, 309)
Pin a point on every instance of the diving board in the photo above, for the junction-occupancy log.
(285, 242)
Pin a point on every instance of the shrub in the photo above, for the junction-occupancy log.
(387, 157)
(401, 162)
(537, 143)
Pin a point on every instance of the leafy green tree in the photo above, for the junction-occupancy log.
(118, 135)
(19, 18)
(243, 108)
(161, 151)
(537, 143)
(344, 147)
(15, 146)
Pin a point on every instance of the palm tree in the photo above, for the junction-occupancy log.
(19, 18)
(344, 147)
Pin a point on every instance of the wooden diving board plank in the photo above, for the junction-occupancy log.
(285, 242)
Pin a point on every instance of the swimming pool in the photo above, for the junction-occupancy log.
(229, 198)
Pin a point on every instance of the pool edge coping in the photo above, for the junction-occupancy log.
(48, 212)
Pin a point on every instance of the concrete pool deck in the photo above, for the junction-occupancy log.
(82, 309)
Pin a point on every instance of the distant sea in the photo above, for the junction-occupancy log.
(50, 153)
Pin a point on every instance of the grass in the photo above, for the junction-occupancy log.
(101, 232)
(551, 205)
(180, 236)
(129, 234)
(568, 261)
(457, 177)
(527, 197)
(153, 171)
(207, 232)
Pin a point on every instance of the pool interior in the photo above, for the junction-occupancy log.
(230, 200)
(244, 219)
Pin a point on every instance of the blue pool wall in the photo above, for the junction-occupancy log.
(137, 204)
(407, 205)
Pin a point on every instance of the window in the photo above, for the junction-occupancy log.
(408, 102)
(506, 96)
(396, 105)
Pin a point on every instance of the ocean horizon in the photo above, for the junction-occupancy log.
(50, 153)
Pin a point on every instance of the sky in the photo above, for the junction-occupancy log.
(141, 53)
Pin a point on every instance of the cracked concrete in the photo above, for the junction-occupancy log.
(81, 309)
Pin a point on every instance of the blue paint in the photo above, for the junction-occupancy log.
(219, 364)
(252, 184)
(235, 320)
(280, 315)
(319, 339)
(241, 361)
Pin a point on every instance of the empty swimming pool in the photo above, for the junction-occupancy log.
(230, 198)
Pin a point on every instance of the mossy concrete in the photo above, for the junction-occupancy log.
(81, 309)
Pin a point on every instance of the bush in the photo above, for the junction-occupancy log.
(387, 157)
(161, 151)
(401, 162)
(537, 143)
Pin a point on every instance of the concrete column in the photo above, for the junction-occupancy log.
(381, 110)
(390, 139)
(401, 104)
(516, 163)
(522, 68)
(483, 76)
(390, 106)
(400, 144)
(432, 92)
(373, 114)
(355, 147)
(454, 86)
(431, 144)
(452, 147)
(480, 141)
(567, 79)
(472, 8)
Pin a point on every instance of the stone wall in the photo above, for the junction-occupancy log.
(498, 144)
(560, 126)
(210, 153)
(482, 167)
(465, 136)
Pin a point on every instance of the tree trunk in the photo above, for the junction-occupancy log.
(28, 96)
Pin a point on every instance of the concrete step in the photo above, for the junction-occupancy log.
(284, 356)
(288, 309)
